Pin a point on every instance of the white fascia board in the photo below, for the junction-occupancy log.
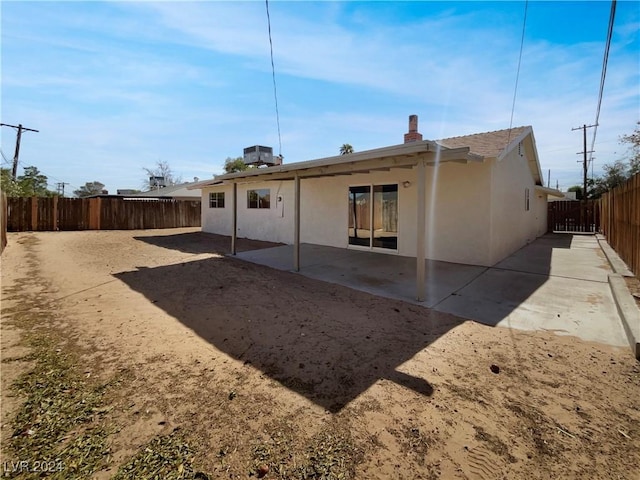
(534, 166)
(549, 191)
(405, 155)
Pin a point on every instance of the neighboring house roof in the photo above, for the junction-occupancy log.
(464, 149)
(181, 190)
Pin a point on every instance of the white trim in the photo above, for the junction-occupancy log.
(399, 156)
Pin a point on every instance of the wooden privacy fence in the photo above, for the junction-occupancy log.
(100, 213)
(3, 221)
(620, 211)
(573, 216)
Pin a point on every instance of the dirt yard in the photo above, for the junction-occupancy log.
(134, 354)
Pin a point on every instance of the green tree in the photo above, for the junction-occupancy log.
(633, 140)
(614, 174)
(8, 185)
(232, 165)
(89, 189)
(578, 189)
(346, 149)
(619, 171)
(33, 183)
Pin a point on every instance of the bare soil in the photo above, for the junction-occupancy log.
(270, 374)
(633, 284)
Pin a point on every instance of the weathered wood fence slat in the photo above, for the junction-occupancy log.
(100, 213)
(573, 216)
(3, 221)
(620, 211)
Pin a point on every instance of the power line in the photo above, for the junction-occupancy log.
(273, 74)
(48, 176)
(6, 160)
(603, 75)
(20, 129)
(515, 90)
(59, 182)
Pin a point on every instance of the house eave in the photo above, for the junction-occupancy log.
(381, 159)
(549, 191)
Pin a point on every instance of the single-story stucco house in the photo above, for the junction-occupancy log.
(472, 199)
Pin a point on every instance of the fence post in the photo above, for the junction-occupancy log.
(94, 213)
(4, 221)
(55, 214)
(34, 214)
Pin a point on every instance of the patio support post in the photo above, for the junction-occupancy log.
(421, 244)
(234, 218)
(296, 224)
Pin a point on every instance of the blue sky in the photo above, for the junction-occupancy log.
(117, 86)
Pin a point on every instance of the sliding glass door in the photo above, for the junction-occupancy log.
(360, 216)
(373, 219)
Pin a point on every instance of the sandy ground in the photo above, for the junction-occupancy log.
(236, 354)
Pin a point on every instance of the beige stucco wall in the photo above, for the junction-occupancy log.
(475, 212)
(217, 220)
(457, 211)
(274, 224)
(512, 225)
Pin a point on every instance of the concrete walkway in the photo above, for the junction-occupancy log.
(558, 283)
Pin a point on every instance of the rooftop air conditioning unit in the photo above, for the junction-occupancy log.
(259, 155)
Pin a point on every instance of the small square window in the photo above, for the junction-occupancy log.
(259, 198)
(216, 200)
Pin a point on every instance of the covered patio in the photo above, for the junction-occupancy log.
(390, 276)
(415, 156)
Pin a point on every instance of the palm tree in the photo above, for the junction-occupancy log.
(346, 149)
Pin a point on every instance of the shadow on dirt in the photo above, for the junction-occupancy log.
(201, 242)
(325, 342)
(318, 339)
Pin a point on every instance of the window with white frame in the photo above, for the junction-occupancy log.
(216, 200)
(259, 198)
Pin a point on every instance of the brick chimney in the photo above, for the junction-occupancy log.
(413, 135)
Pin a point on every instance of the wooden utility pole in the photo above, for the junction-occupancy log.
(60, 187)
(20, 129)
(585, 169)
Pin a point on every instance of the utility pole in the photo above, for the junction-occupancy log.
(585, 168)
(20, 129)
(60, 188)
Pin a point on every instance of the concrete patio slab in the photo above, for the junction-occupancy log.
(558, 283)
(561, 255)
(526, 301)
(390, 276)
